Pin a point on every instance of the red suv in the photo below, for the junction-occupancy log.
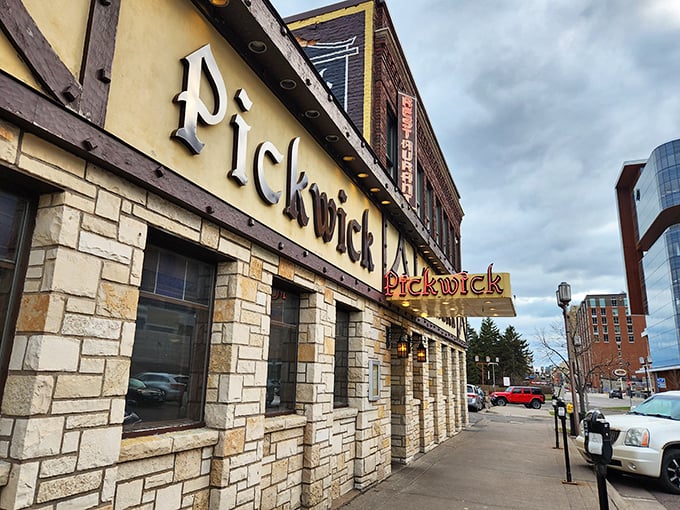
(530, 396)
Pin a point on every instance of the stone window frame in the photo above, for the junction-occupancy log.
(195, 419)
(341, 371)
(18, 267)
(284, 286)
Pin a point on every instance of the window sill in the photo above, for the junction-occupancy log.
(143, 447)
(341, 413)
(283, 422)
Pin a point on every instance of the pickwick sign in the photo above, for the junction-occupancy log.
(331, 222)
(460, 294)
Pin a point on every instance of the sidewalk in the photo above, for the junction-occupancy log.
(508, 462)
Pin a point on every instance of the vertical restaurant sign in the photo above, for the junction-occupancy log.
(406, 137)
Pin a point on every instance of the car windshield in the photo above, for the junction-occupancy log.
(663, 406)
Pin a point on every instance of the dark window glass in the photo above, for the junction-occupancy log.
(420, 183)
(340, 392)
(170, 352)
(16, 221)
(430, 210)
(283, 346)
(440, 223)
(391, 144)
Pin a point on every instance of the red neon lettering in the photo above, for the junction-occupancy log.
(413, 282)
(448, 285)
(493, 285)
(428, 285)
(475, 279)
(391, 283)
(463, 282)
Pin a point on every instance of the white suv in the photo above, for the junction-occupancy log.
(646, 441)
(474, 399)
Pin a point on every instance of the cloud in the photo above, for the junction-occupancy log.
(536, 106)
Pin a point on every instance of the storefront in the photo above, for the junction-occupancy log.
(197, 311)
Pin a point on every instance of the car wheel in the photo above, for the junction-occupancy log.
(501, 402)
(163, 395)
(670, 471)
(536, 404)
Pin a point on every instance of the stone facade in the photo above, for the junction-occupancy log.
(62, 439)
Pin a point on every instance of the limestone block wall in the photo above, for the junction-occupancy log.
(282, 460)
(344, 451)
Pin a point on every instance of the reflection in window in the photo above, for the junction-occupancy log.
(15, 225)
(168, 366)
(340, 391)
(283, 345)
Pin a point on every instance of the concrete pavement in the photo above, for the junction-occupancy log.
(506, 460)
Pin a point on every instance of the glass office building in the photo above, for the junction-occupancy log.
(649, 209)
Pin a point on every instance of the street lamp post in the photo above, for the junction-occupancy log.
(646, 363)
(563, 294)
(493, 371)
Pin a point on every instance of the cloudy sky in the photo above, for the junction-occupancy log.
(536, 105)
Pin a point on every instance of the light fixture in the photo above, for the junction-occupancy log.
(563, 294)
(348, 158)
(405, 303)
(403, 346)
(332, 138)
(385, 202)
(421, 352)
(288, 84)
(362, 175)
(374, 190)
(257, 47)
(219, 3)
(312, 114)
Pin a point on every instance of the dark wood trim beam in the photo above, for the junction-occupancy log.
(35, 50)
(100, 44)
(31, 111)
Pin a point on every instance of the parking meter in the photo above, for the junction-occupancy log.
(562, 413)
(598, 444)
(598, 439)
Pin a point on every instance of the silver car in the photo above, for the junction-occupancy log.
(475, 400)
(173, 386)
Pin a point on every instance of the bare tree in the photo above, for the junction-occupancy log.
(588, 362)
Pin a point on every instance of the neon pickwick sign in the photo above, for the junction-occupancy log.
(450, 285)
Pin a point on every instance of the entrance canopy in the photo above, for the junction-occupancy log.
(454, 295)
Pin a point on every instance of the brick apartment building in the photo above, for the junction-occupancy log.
(612, 341)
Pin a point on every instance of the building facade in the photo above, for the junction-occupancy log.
(611, 343)
(648, 194)
(217, 292)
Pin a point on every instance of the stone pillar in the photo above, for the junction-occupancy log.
(447, 387)
(237, 382)
(462, 398)
(372, 441)
(421, 392)
(404, 421)
(64, 398)
(436, 383)
(459, 405)
(316, 353)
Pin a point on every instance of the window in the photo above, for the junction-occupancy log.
(420, 192)
(616, 320)
(615, 312)
(597, 339)
(16, 224)
(170, 352)
(614, 302)
(631, 339)
(594, 320)
(593, 312)
(617, 339)
(391, 145)
(606, 339)
(440, 222)
(430, 210)
(630, 329)
(283, 347)
(629, 320)
(603, 311)
(604, 319)
(341, 383)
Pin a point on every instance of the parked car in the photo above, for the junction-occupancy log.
(482, 396)
(140, 393)
(615, 393)
(172, 386)
(530, 396)
(474, 400)
(646, 441)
